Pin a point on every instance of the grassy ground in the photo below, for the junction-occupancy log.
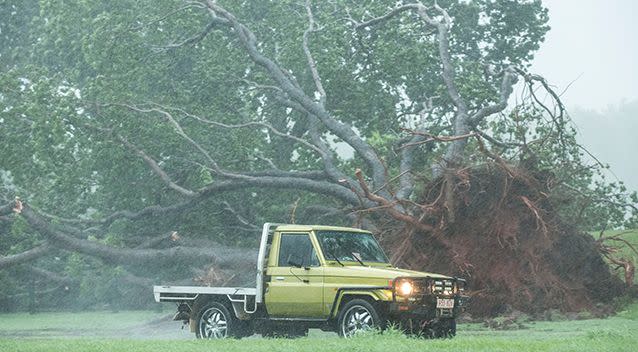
(67, 332)
(54, 323)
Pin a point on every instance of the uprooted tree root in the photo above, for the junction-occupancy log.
(496, 226)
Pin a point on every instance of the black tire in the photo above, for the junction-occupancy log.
(358, 315)
(448, 329)
(216, 321)
(443, 329)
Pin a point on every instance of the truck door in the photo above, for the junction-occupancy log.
(292, 291)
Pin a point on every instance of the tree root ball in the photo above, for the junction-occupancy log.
(496, 227)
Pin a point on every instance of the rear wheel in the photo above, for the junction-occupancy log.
(357, 316)
(215, 321)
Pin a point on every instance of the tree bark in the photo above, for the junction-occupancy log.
(24, 257)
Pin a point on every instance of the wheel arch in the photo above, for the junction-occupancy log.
(201, 301)
(376, 296)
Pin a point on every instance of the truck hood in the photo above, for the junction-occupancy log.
(379, 272)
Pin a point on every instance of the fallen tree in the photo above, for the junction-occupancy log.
(500, 230)
(238, 120)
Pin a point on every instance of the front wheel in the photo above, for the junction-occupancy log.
(215, 321)
(356, 316)
(445, 328)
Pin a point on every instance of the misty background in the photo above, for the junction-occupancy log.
(590, 53)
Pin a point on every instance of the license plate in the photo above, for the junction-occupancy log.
(446, 303)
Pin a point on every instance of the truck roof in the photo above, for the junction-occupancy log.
(296, 227)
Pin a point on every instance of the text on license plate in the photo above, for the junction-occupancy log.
(445, 303)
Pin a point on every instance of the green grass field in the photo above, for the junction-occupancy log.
(70, 332)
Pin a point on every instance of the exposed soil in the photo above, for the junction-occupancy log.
(496, 227)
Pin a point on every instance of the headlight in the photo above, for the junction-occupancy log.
(405, 288)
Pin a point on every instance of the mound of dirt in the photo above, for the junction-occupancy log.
(496, 227)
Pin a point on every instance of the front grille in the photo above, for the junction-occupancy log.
(426, 289)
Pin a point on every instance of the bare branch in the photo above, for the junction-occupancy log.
(597, 199)
(311, 61)
(461, 126)
(406, 180)
(154, 241)
(530, 79)
(6, 209)
(443, 28)
(252, 124)
(494, 141)
(312, 175)
(390, 206)
(307, 181)
(220, 254)
(288, 85)
(328, 160)
(155, 167)
(153, 210)
(180, 132)
(50, 276)
(384, 18)
(431, 137)
(317, 144)
(26, 256)
(507, 86)
(239, 217)
(167, 15)
(260, 180)
(11, 207)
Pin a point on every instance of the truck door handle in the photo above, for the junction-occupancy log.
(279, 278)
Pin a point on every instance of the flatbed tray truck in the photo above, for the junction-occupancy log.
(332, 278)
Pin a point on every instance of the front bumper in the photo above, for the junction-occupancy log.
(425, 308)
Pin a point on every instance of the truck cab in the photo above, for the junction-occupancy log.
(332, 278)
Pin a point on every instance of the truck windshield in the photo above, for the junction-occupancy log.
(344, 246)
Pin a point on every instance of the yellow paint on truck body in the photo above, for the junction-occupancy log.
(311, 292)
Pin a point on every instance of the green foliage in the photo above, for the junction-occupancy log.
(67, 66)
(580, 190)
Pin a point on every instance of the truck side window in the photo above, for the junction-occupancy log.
(298, 248)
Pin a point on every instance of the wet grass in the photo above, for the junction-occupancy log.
(617, 333)
(80, 321)
(605, 341)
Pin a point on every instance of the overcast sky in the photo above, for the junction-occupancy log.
(593, 45)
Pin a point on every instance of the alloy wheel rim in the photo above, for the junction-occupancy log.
(213, 324)
(356, 319)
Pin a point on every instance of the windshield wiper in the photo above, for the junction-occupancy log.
(356, 257)
(335, 257)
